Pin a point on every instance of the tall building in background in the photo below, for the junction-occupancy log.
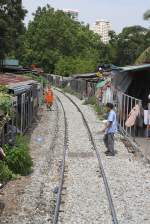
(102, 28)
(73, 13)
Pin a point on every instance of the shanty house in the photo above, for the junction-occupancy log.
(25, 95)
(131, 89)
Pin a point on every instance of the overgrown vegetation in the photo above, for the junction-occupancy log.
(100, 110)
(17, 161)
(3, 89)
(5, 102)
(6, 109)
(5, 173)
(91, 100)
(18, 158)
(39, 78)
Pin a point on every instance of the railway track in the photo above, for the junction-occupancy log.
(48, 161)
(58, 201)
(101, 169)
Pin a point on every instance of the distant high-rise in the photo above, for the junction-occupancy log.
(102, 28)
(73, 13)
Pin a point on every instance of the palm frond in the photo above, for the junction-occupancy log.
(146, 15)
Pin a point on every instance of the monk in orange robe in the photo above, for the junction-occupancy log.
(49, 98)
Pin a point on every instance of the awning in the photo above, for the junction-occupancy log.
(122, 81)
(123, 78)
(85, 76)
(135, 68)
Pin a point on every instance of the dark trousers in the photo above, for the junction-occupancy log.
(109, 142)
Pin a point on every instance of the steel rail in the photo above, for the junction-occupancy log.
(58, 200)
(107, 189)
(51, 148)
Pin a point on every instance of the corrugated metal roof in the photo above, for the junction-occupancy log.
(7, 79)
(88, 75)
(21, 89)
(28, 82)
(13, 62)
(135, 68)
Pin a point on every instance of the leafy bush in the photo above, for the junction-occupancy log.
(5, 102)
(39, 79)
(22, 141)
(3, 89)
(5, 173)
(18, 158)
(100, 110)
(91, 100)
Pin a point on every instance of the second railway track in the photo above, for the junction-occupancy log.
(101, 172)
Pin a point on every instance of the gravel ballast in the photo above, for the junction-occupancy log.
(35, 204)
(84, 198)
(128, 178)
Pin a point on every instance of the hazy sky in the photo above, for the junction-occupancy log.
(120, 13)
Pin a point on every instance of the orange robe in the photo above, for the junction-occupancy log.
(49, 98)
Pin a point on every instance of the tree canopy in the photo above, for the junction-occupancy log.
(61, 45)
(127, 46)
(54, 39)
(144, 57)
(11, 27)
(146, 15)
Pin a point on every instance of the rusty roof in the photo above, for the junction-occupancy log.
(9, 78)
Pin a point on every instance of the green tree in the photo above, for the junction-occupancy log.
(11, 27)
(128, 45)
(55, 42)
(67, 66)
(146, 15)
(144, 57)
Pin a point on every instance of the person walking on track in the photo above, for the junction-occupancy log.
(49, 97)
(110, 130)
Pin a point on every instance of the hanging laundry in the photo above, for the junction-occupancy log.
(146, 117)
(107, 96)
(135, 112)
